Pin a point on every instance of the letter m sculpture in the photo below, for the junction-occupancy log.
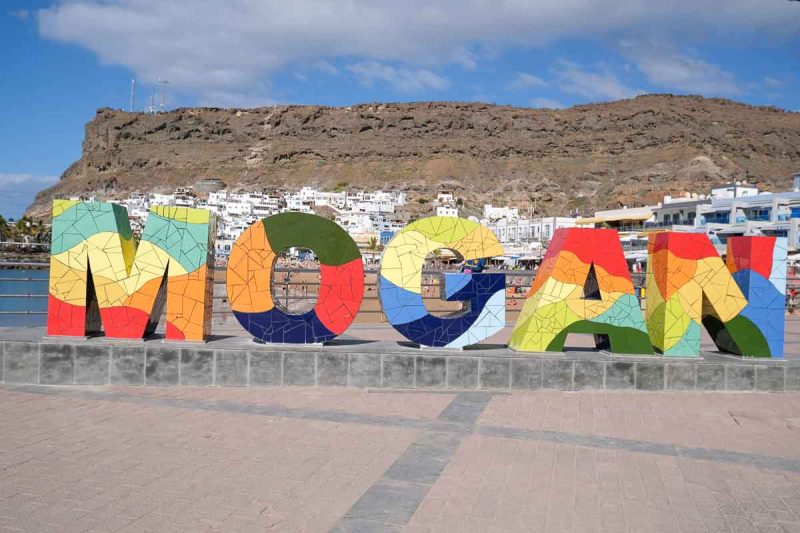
(98, 275)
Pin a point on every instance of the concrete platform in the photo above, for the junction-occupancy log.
(28, 357)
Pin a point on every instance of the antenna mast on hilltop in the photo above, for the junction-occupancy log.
(133, 95)
(152, 108)
(163, 84)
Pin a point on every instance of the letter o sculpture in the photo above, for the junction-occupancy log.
(249, 279)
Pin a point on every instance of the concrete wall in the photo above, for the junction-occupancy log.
(100, 362)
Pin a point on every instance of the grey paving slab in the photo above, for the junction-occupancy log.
(365, 370)
(197, 367)
(793, 378)
(57, 364)
(92, 364)
(495, 373)
(162, 365)
(680, 376)
(430, 372)
(394, 498)
(425, 459)
(21, 362)
(526, 373)
(466, 408)
(388, 503)
(740, 377)
(299, 368)
(650, 375)
(462, 372)
(710, 376)
(770, 378)
(230, 368)
(620, 375)
(557, 374)
(589, 375)
(127, 365)
(332, 369)
(266, 368)
(398, 372)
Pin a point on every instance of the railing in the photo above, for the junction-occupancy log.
(25, 295)
(658, 225)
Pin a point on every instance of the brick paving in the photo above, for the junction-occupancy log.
(302, 459)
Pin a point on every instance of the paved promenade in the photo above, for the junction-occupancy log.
(314, 459)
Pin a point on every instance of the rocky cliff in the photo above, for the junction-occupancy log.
(593, 156)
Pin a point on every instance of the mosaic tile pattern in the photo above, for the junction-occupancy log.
(689, 286)
(582, 286)
(400, 283)
(758, 265)
(99, 276)
(249, 279)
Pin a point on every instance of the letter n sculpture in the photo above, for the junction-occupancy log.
(98, 275)
(741, 305)
(758, 265)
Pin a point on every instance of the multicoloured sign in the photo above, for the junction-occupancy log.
(99, 275)
(690, 287)
(100, 279)
(582, 286)
(400, 283)
(249, 279)
(759, 266)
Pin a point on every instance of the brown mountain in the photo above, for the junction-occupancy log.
(591, 156)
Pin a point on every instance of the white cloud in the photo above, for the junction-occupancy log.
(523, 81)
(666, 67)
(546, 103)
(776, 83)
(17, 191)
(599, 84)
(326, 67)
(232, 98)
(404, 79)
(209, 47)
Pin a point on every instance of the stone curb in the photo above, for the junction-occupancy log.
(48, 363)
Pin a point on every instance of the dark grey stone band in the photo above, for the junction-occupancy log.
(378, 365)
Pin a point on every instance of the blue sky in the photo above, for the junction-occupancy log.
(62, 60)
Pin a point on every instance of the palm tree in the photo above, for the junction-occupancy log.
(24, 227)
(5, 229)
(437, 258)
(373, 246)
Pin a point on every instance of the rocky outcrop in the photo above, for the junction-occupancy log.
(593, 156)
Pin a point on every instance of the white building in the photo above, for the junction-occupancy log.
(356, 223)
(446, 211)
(296, 203)
(162, 199)
(734, 190)
(527, 230)
(362, 214)
(445, 198)
(491, 213)
(624, 219)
